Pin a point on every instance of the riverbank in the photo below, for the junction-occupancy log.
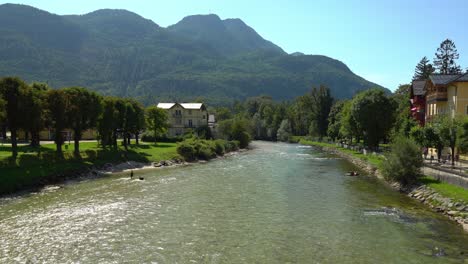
(444, 198)
(36, 167)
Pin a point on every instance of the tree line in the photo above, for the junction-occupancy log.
(32, 108)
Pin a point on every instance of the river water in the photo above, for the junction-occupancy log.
(278, 203)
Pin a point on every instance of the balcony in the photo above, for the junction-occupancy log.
(437, 96)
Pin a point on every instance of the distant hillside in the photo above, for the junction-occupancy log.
(117, 52)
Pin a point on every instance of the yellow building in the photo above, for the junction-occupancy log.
(184, 116)
(49, 135)
(446, 94)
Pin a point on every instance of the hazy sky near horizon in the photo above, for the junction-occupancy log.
(381, 41)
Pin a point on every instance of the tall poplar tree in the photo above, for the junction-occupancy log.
(446, 56)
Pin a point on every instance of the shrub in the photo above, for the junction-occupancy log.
(403, 164)
(187, 150)
(220, 146)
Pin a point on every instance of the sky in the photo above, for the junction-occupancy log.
(380, 40)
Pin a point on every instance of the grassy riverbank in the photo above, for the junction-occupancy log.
(33, 165)
(374, 160)
(448, 190)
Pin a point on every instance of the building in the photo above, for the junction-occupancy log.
(418, 101)
(446, 94)
(183, 117)
(49, 135)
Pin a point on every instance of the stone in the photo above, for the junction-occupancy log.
(460, 207)
(157, 164)
(450, 204)
(453, 212)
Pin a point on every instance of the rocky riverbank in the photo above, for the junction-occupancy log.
(455, 210)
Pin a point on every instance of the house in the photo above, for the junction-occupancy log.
(418, 101)
(49, 135)
(183, 117)
(446, 94)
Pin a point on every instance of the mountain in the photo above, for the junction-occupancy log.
(117, 52)
(229, 37)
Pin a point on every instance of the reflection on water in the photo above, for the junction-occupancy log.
(278, 203)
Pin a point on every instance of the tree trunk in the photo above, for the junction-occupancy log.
(128, 139)
(125, 141)
(136, 138)
(35, 138)
(4, 132)
(453, 155)
(14, 144)
(77, 137)
(59, 142)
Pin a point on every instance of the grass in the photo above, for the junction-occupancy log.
(375, 160)
(35, 164)
(445, 189)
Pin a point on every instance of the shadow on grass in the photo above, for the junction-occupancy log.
(427, 180)
(32, 170)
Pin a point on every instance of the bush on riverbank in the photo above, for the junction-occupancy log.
(194, 148)
(403, 163)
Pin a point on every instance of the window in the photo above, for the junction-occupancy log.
(178, 112)
(190, 123)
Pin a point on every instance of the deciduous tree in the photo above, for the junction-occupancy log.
(156, 120)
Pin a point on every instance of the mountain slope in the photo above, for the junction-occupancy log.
(229, 37)
(117, 52)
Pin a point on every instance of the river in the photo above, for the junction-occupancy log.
(278, 203)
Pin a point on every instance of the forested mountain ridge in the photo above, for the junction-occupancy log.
(118, 52)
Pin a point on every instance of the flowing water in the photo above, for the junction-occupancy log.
(277, 203)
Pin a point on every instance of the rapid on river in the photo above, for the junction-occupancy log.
(277, 203)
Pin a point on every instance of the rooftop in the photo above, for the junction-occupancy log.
(189, 106)
(419, 87)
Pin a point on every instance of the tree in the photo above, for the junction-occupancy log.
(156, 120)
(348, 126)
(223, 113)
(284, 131)
(449, 130)
(322, 102)
(11, 91)
(82, 113)
(403, 119)
(373, 112)
(107, 122)
(57, 108)
(432, 135)
(403, 164)
(136, 119)
(35, 104)
(423, 69)
(334, 120)
(446, 56)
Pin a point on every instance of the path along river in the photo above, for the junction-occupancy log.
(277, 203)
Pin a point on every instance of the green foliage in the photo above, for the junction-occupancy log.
(156, 120)
(446, 56)
(373, 113)
(403, 164)
(82, 111)
(194, 148)
(335, 120)
(284, 131)
(423, 69)
(322, 102)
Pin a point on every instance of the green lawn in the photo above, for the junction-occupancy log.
(447, 190)
(372, 159)
(34, 164)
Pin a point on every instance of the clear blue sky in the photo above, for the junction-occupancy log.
(380, 40)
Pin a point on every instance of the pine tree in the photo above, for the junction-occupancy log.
(423, 69)
(445, 58)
